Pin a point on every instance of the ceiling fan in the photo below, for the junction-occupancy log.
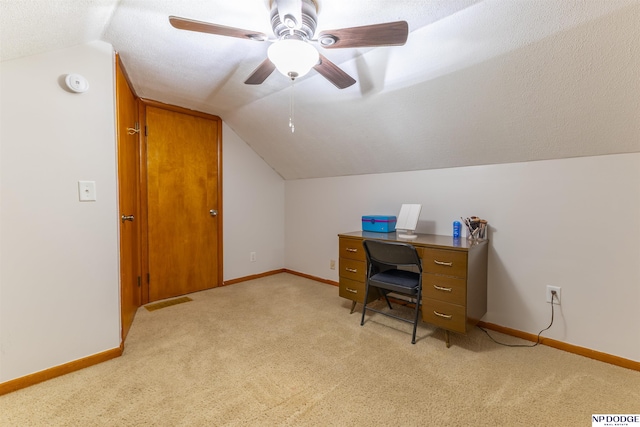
(292, 52)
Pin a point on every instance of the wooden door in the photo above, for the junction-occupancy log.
(183, 202)
(128, 198)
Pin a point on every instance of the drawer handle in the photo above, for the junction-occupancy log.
(352, 250)
(352, 270)
(353, 291)
(445, 316)
(440, 288)
(446, 264)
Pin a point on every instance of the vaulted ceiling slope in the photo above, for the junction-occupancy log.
(478, 82)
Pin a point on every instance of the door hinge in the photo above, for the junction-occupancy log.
(146, 130)
(148, 278)
(139, 281)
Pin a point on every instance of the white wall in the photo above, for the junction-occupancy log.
(571, 223)
(253, 210)
(59, 277)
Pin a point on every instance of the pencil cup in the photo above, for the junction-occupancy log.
(477, 231)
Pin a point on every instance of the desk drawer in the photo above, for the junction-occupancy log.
(441, 261)
(444, 288)
(352, 249)
(445, 315)
(352, 269)
(353, 290)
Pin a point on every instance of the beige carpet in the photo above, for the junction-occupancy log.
(284, 350)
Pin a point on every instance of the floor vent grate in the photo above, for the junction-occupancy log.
(163, 304)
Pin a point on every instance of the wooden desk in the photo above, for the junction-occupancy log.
(454, 277)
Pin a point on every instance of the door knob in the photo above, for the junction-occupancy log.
(213, 212)
(127, 218)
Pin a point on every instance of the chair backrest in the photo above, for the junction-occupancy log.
(391, 253)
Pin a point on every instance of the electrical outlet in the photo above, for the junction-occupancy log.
(252, 256)
(556, 298)
(332, 264)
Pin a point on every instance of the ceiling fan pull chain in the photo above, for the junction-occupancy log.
(291, 108)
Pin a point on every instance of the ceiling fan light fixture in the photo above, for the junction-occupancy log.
(293, 57)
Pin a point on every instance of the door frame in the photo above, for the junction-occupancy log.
(144, 206)
(126, 322)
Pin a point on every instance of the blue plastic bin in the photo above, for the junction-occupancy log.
(379, 223)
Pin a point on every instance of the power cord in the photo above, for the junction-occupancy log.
(553, 296)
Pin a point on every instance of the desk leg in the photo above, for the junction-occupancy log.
(446, 338)
(353, 306)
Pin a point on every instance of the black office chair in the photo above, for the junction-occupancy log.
(384, 259)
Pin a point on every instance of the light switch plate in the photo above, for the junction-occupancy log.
(87, 191)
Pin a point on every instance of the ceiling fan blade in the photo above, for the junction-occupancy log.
(388, 34)
(261, 73)
(221, 30)
(333, 73)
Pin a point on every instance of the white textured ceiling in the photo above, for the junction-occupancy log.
(478, 82)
